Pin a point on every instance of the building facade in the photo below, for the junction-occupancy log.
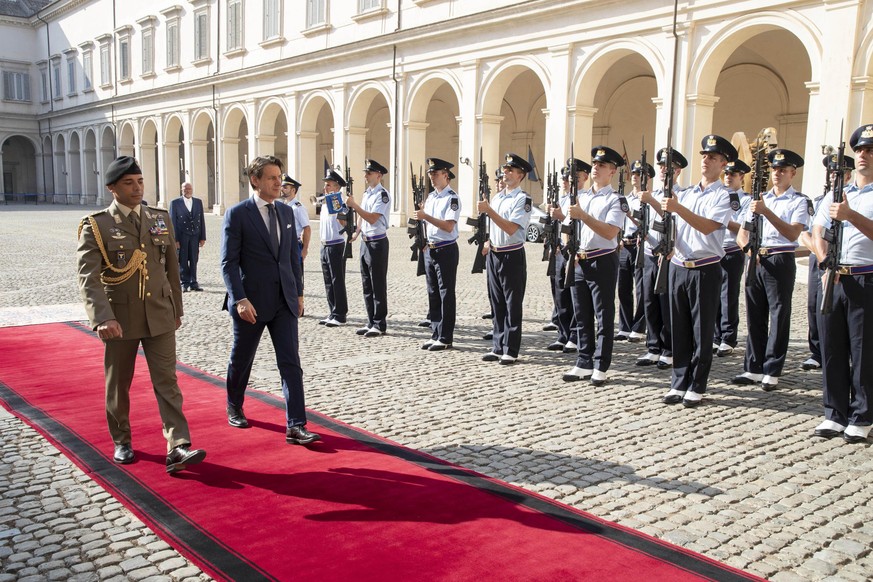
(195, 89)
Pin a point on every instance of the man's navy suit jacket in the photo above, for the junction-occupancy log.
(250, 268)
(188, 223)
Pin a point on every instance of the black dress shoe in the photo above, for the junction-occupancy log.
(123, 454)
(673, 399)
(426, 345)
(181, 456)
(826, 433)
(490, 357)
(620, 337)
(854, 439)
(691, 403)
(196, 287)
(236, 418)
(488, 336)
(488, 315)
(298, 435)
(555, 346)
(424, 323)
(550, 327)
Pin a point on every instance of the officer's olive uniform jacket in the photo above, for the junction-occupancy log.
(156, 311)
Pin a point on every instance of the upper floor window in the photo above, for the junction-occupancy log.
(234, 24)
(56, 78)
(272, 19)
(365, 5)
(105, 60)
(16, 86)
(201, 35)
(316, 13)
(87, 66)
(148, 45)
(173, 15)
(124, 52)
(71, 76)
(44, 81)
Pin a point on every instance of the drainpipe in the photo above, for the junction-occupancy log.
(48, 50)
(395, 183)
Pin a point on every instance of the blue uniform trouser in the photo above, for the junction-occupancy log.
(441, 272)
(727, 318)
(631, 316)
(768, 302)
(374, 278)
(659, 337)
(563, 299)
(507, 281)
(594, 298)
(333, 268)
(189, 253)
(694, 296)
(813, 306)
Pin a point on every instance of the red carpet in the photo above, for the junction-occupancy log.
(353, 507)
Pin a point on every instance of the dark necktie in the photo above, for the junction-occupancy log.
(134, 218)
(274, 227)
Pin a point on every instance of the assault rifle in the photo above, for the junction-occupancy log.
(667, 227)
(416, 228)
(348, 216)
(833, 235)
(642, 215)
(755, 226)
(571, 229)
(480, 224)
(552, 227)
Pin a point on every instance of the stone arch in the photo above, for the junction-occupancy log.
(148, 160)
(60, 177)
(368, 129)
(127, 141)
(108, 152)
(175, 163)
(862, 90)
(272, 132)
(92, 189)
(19, 153)
(74, 169)
(235, 148)
(48, 166)
(202, 171)
(315, 137)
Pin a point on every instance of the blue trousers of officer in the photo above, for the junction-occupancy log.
(283, 333)
(659, 336)
(594, 298)
(727, 317)
(441, 273)
(768, 301)
(563, 299)
(694, 297)
(507, 281)
(631, 315)
(189, 253)
(846, 337)
(333, 268)
(813, 306)
(374, 279)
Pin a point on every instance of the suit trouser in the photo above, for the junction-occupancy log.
(563, 299)
(693, 299)
(441, 274)
(768, 299)
(846, 337)
(246, 337)
(119, 360)
(594, 297)
(374, 279)
(813, 306)
(507, 281)
(631, 315)
(659, 336)
(727, 317)
(189, 253)
(333, 269)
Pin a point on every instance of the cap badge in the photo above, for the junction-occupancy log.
(508, 157)
(868, 132)
(710, 141)
(779, 157)
(601, 152)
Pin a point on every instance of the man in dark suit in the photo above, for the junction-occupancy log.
(190, 226)
(260, 263)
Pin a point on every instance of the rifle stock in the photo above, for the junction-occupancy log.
(552, 227)
(480, 224)
(415, 229)
(834, 235)
(667, 228)
(643, 216)
(350, 226)
(571, 230)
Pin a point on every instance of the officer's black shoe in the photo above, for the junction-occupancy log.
(826, 433)
(298, 435)
(811, 364)
(488, 336)
(550, 327)
(490, 357)
(196, 287)
(488, 315)
(555, 346)
(621, 337)
(424, 323)
(123, 454)
(181, 456)
(854, 439)
(674, 396)
(236, 418)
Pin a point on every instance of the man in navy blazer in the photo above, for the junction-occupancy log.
(189, 223)
(260, 263)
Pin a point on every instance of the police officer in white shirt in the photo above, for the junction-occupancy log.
(631, 314)
(786, 214)
(441, 212)
(599, 217)
(846, 331)
(333, 263)
(508, 216)
(727, 318)
(290, 188)
(701, 214)
(373, 210)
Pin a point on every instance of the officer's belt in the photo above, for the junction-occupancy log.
(696, 263)
(767, 251)
(506, 249)
(593, 253)
(374, 238)
(732, 249)
(441, 244)
(854, 269)
(335, 241)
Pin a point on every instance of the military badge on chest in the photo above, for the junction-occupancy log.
(159, 227)
(116, 233)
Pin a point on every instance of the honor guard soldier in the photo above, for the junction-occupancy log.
(290, 188)
(786, 214)
(561, 294)
(441, 212)
(846, 330)
(701, 214)
(498, 186)
(659, 338)
(129, 281)
(631, 315)
(508, 217)
(727, 318)
(333, 263)
(374, 209)
(813, 290)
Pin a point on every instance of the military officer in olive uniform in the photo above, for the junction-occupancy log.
(129, 281)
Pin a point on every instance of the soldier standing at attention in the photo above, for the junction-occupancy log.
(786, 214)
(701, 214)
(374, 209)
(333, 263)
(189, 225)
(727, 318)
(631, 316)
(290, 188)
(129, 281)
(508, 215)
(846, 331)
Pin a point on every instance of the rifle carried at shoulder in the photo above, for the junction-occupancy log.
(642, 215)
(833, 235)
(571, 230)
(551, 227)
(349, 216)
(755, 226)
(667, 227)
(480, 224)
(415, 228)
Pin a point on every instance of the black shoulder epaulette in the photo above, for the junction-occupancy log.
(384, 196)
(622, 202)
(735, 200)
(528, 202)
(453, 204)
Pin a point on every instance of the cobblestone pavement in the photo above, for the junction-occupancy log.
(738, 479)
